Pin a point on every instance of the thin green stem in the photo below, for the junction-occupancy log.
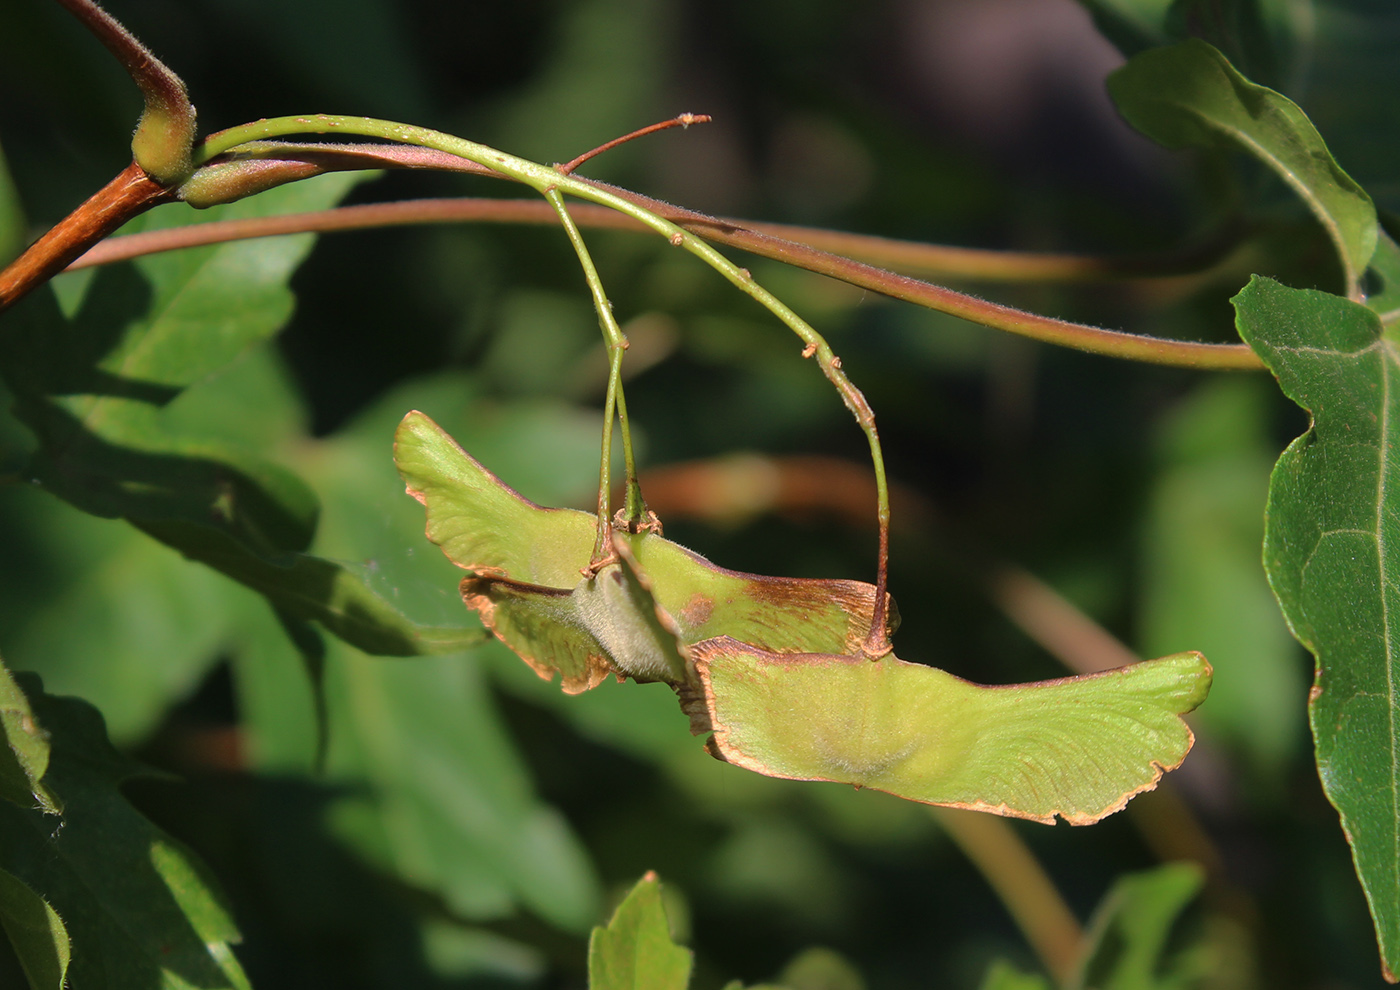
(877, 643)
(602, 543)
(546, 180)
(634, 509)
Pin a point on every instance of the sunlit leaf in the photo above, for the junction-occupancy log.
(36, 934)
(1079, 748)
(634, 951)
(1189, 94)
(1332, 552)
(136, 904)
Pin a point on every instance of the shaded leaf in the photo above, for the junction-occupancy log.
(819, 968)
(1127, 941)
(634, 951)
(1079, 747)
(1189, 94)
(151, 626)
(101, 385)
(1332, 552)
(1235, 27)
(474, 953)
(36, 932)
(25, 758)
(277, 699)
(12, 227)
(1132, 25)
(1384, 298)
(1203, 586)
(137, 905)
(313, 588)
(441, 799)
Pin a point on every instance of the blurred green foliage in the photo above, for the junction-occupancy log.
(452, 821)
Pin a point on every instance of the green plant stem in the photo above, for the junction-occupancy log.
(544, 180)
(1022, 885)
(755, 238)
(602, 542)
(634, 508)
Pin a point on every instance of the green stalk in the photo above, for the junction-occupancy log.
(602, 543)
(546, 180)
(634, 508)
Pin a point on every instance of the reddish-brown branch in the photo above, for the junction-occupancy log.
(158, 84)
(130, 194)
(902, 256)
(684, 120)
(753, 238)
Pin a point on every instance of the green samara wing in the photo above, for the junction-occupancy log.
(527, 584)
(1078, 747)
(481, 523)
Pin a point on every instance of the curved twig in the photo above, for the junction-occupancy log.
(756, 238)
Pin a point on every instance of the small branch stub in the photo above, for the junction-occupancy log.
(683, 121)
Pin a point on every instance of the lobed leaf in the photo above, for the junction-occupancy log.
(1190, 94)
(100, 371)
(138, 907)
(634, 951)
(1079, 747)
(1332, 553)
(440, 798)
